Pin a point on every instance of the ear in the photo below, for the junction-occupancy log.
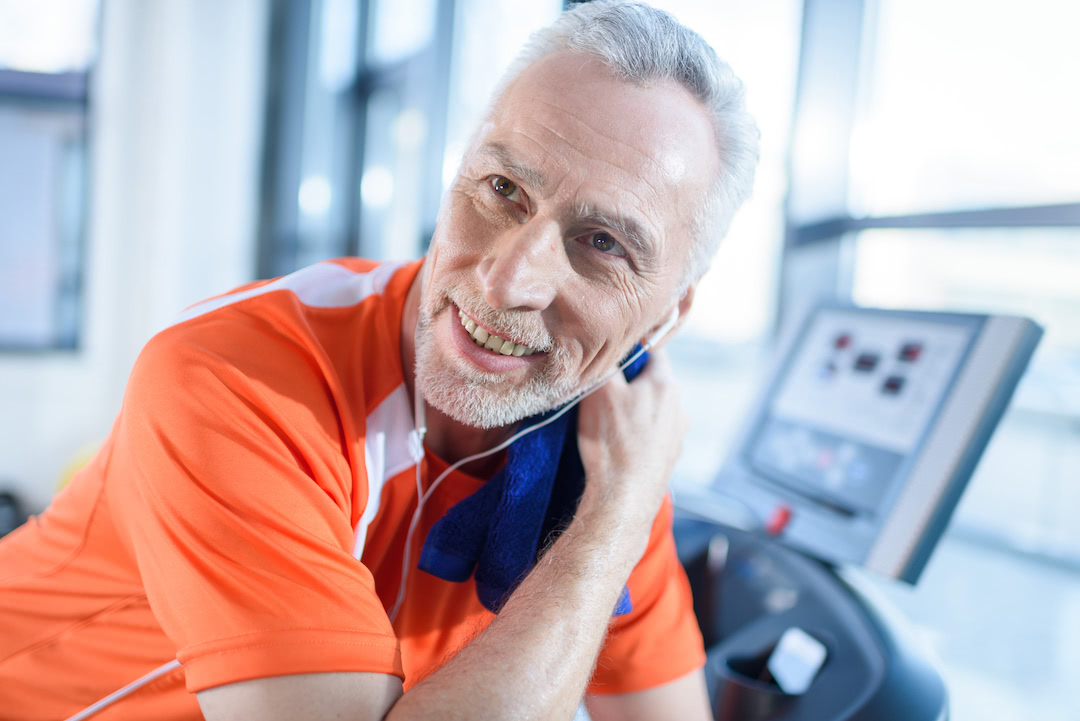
(685, 302)
(663, 330)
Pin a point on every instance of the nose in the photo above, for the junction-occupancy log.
(524, 266)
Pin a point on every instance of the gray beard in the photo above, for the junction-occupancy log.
(486, 400)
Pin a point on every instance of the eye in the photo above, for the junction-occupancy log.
(504, 187)
(605, 244)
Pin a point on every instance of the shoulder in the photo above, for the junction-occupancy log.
(278, 340)
(338, 283)
(284, 317)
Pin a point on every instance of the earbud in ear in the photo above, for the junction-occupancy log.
(663, 330)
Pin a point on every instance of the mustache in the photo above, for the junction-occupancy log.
(523, 327)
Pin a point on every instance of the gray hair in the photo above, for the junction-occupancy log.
(642, 44)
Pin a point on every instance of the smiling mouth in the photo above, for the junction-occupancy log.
(491, 342)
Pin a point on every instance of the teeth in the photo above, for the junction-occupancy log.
(493, 342)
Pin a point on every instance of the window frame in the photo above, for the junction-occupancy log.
(282, 245)
(68, 92)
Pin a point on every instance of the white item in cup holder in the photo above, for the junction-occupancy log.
(796, 660)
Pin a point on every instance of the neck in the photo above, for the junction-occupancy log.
(447, 438)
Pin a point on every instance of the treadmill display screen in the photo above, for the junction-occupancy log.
(855, 400)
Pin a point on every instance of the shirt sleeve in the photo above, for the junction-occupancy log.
(230, 481)
(659, 640)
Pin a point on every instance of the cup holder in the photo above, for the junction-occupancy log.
(745, 690)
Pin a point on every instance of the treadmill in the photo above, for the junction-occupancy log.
(855, 455)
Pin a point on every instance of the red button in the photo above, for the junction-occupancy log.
(778, 521)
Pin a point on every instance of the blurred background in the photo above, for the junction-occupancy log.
(915, 154)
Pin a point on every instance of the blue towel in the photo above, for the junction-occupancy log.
(497, 531)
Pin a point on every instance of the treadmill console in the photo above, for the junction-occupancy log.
(868, 430)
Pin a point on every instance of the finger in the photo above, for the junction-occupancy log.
(658, 367)
(683, 422)
(660, 358)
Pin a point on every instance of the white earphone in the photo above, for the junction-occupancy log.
(663, 330)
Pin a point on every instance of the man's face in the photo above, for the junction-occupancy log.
(567, 233)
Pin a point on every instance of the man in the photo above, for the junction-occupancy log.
(240, 538)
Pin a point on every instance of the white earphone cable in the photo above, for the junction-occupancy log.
(422, 498)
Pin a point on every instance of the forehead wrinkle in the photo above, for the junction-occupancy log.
(571, 115)
(663, 173)
(594, 155)
(576, 144)
(634, 231)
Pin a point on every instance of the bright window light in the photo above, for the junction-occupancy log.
(315, 196)
(735, 301)
(410, 129)
(377, 187)
(401, 27)
(48, 36)
(970, 104)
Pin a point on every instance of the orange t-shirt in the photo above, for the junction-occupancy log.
(247, 515)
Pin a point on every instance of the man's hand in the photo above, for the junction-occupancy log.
(629, 437)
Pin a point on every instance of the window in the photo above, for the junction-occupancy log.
(968, 104)
(1025, 488)
(355, 129)
(46, 53)
(362, 135)
(735, 303)
(935, 164)
(487, 36)
(964, 190)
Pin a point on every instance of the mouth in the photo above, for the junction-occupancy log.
(491, 342)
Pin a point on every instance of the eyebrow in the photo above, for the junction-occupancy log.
(628, 229)
(502, 155)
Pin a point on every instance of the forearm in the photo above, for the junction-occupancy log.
(536, 657)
